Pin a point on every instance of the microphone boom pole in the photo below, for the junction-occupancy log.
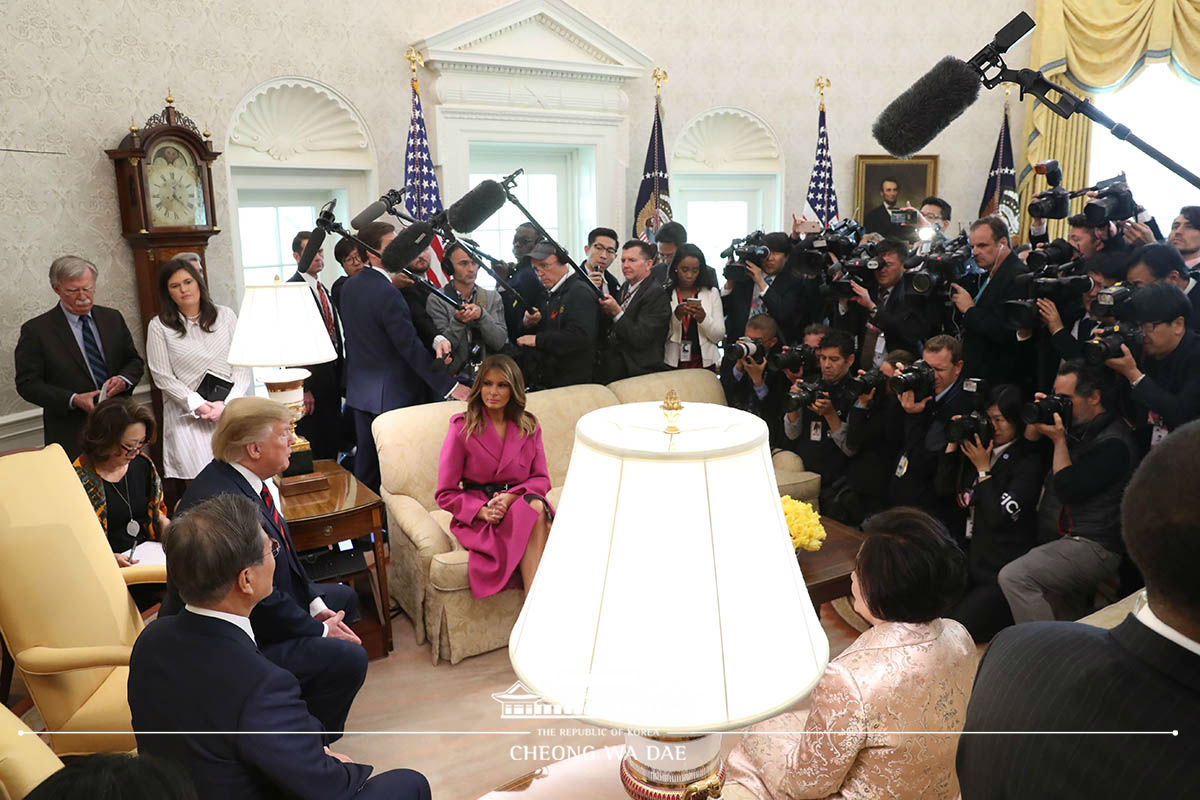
(480, 257)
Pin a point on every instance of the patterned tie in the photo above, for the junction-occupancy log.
(756, 301)
(326, 312)
(92, 351)
(625, 296)
(266, 496)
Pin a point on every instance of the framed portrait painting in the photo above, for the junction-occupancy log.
(917, 177)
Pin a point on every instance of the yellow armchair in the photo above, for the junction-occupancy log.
(25, 760)
(65, 610)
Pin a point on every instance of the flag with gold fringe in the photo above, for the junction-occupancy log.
(423, 198)
(1000, 196)
(653, 207)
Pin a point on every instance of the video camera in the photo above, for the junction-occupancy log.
(860, 266)
(1056, 283)
(930, 274)
(750, 249)
(1055, 202)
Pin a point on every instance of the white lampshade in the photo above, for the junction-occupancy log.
(669, 597)
(279, 326)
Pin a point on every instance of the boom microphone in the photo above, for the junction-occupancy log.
(938, 97)
(315, 240)
(408, 244)
(369, 214)
(473, 208)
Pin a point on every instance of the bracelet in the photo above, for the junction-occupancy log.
(983, 473)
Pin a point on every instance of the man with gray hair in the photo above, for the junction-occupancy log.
(205, 698)
(74, 355)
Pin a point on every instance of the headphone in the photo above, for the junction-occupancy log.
(448, 265)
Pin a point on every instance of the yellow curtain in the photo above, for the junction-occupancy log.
(1088, 46)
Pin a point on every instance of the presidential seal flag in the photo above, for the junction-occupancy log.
(821, 203)
(653, 207)
(423, 198)
(1000, 196)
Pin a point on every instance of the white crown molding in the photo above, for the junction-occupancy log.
(605, 58)
(544, 94)
(289, 117)
(727, 137)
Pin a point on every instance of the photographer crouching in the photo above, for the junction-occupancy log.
(1159, 357)
(749, 382)
(1079, 517)
(996, 474)
(813, 422)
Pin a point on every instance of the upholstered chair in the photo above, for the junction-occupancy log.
(25, 760)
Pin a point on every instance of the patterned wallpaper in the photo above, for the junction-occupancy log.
(73, 73)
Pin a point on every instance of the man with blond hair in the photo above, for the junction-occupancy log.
(300, 625)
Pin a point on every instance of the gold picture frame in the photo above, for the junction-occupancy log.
(917, 177)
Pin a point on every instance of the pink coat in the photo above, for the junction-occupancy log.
(518, 460)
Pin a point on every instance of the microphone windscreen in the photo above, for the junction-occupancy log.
(408, 244)
(369, 214)
(938, 97)
(474, 207)
(315, 240)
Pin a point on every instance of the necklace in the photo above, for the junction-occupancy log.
(132, 528)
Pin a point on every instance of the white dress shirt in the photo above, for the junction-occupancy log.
(232, 619)
(1147, 617)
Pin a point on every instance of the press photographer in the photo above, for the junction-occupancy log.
(996, 474)
(757, 283)
(1079, 515)
(992, 351)
(1164, 371)
(1162, 263)
(813, 422)
(1068, 335)
(748, 381)
(874, 429)
(931, 391)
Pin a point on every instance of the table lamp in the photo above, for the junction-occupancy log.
(668, 602)
(279, 326)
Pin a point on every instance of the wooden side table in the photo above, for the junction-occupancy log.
(346, 510)
(827, 571)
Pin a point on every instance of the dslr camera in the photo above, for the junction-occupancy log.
(1113, 203)
(803, 396)
(918, 378)
(750, 249)
(799, 358)
(967, 427)
(747, 348)
(1106, 343)
(861, 384)
(1113, 302)
(1041, 412)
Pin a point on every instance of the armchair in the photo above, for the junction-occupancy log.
(25, 760)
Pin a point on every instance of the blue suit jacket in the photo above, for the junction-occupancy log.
(284, 613)
(386, 365)
(194, 673)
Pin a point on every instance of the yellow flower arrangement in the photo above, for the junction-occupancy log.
(803, 523)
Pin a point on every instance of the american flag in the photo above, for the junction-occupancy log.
(424, 198)
(821, 203)
(653, 207)
(1000, 195)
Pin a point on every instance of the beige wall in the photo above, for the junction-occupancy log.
(73, 72)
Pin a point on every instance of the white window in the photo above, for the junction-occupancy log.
(716, 209)
(267, 223)
(557, 189)
(1153, 104)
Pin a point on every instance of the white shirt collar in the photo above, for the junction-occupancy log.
(1191, 285)
(310, 280)
(998, 451)
(561, 281)
(382, 272)
(256, 483)
(233, 619)
(1148, 618)
(633, 287)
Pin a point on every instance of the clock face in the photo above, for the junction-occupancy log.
(173, 183)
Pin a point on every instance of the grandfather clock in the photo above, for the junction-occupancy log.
(164, 189)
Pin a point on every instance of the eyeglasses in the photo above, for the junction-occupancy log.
(133, 449)
(274, 548)
(79, 291)
(1147, 327)
(612, 251)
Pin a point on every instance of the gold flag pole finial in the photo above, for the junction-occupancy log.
(660, 77)
(821, 85)
(414, 60)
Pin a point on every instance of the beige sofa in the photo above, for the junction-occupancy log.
(428, 572)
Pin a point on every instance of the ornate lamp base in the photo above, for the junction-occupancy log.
(673, 768)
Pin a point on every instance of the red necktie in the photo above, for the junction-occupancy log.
(326, 311)
(266, 496)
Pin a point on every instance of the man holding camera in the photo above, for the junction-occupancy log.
(1067, 338)
(814, 429)
(1164, 379)
(992, 350)
(748, 382)
(768, 288)
(1163, 263)
(1079, 515)
(895, 319)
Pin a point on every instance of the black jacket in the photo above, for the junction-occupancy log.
(740, 394)
(566, 336)
(1063, 676)
(1170, 390)
(326, 382)
(990, 349)
(821, 454)
(790, 300)
(633, 344)
(529, 291)
(50, 368)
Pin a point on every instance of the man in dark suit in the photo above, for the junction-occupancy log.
(559, 345)
(200, 671)
(890, 318)
(637, 320)
(345, 252)
(300, 625)
(772, 289)
(992, 350)
(1143, 675)
(387, 366)
(323, 388)
(1163, 263)
(70, 355)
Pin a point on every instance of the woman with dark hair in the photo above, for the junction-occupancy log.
(492, 478)
(883, 719)
(999, 482)
(116, 776)
(120, 479)
(697, 317)
(185, 344)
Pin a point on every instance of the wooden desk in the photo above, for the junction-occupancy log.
(346, 510)
(827, 571)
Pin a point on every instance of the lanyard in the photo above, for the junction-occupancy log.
(686, 322)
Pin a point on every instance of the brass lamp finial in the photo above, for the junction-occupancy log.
(671, 408)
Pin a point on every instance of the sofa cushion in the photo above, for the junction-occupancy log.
(557, 411)
(692, 385)
(448, 571)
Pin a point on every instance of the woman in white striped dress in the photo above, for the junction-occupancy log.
(189, 338)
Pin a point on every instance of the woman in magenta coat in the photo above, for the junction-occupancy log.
(492, 478)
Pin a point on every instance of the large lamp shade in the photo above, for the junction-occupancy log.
(669, 597)
(279, 326)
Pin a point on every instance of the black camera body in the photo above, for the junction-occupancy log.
(861, 384)
(860, 266)
(1059, 251)
(1106, 343)
(1049, 284)
(1112, 203)
(747, 348)
(931, 274)
(1113, 302)
(918, 378)
(1054, 203)
(1041, 412)
(967, 427)
(803, 396)
(800, 358)
(750, 249)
